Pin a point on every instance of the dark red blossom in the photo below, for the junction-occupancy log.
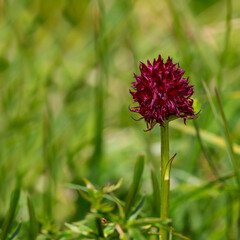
(162, 93)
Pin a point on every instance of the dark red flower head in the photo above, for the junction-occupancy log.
(162, 92)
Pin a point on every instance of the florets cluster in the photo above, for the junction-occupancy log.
(162, 93)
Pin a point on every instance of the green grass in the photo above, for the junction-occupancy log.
(65, 71)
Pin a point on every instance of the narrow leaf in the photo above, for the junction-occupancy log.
(16, 231)
(72, 227)
(170, 230)
(199, 190)
(120, 206)
(144, 221)
(34, 227)
(211, 102)
(228, 139)
(85, 196)
(137, 209)
(8, 221)
(79, 228)
(205, 150)
(168, 168)
(90, 188)
(111, 188)
(84, 190)
(131, 197)
(156, 191)
(206, 136)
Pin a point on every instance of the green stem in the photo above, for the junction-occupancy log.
(165, 182)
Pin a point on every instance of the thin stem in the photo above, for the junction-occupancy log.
(165, 182)
(224, 55)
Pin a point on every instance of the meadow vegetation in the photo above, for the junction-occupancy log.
(66, 67)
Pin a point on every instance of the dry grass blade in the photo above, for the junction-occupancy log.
(206, 136)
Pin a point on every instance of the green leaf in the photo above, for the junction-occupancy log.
(168, 168)
(156, 191)
(170, 230)
(83, 190)
(179, 235)
(205, 150)
(105, 207)
(228, 139)
(199, 190)
(8, 221)
(16, 231)
(92, 192)
(79, 228)
(137, 209)
(120, 206)
(85, 196)
(131, 197)
(111, 188)
(224, 129)
(144, 221)
(109, 229)
(34, 227)
(72, 227)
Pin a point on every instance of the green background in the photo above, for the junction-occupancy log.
(66, 67)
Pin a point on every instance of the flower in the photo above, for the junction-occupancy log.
(162, 93)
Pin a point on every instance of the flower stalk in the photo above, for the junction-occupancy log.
(165, 180)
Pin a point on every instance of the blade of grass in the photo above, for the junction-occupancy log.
(206, 136)
(209, 97)
(16, 231)
(34, 228)
(228, 139)
(120, 206)
(230, 150)
(8, 221)
(102, 76)
(224, 130)
(199, 190)
(170, 230)
(156, 192)
(131, 197)
(144, 221)
(205, 151)
(136, 211)
(226, 41)
(47, 155)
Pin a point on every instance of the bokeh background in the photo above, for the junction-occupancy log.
(66, 67)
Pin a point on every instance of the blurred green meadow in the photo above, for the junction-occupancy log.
(66, 67)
